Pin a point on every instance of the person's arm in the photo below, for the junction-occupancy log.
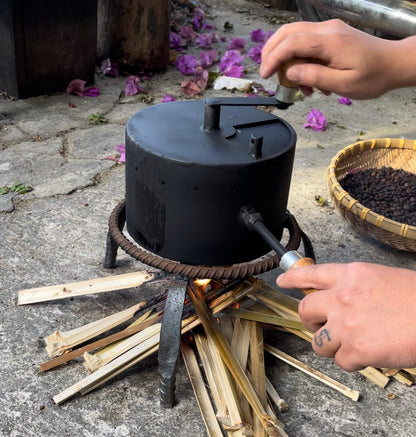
(356, 64)
(363, 314)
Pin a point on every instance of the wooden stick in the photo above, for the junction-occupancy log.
(346, 391)
(404, 378)
(411, 370)
(121, 369)
(72, 289)
(268, 319)
(233, 365)
(103, 372)
(201, 393)
(258, 373)
(274, 396)
(94, 362)
(59, 342)
(375, 376)
(93, 346)
(240, 344)
(130, 358)
(229, 417)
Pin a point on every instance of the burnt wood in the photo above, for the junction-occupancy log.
(44, 44)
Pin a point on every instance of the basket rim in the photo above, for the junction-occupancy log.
(353, 205)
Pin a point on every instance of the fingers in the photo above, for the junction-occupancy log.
(324, 342)
(281, 48)
(327, 343)
(319, 276)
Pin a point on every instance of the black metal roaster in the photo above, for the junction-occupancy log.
(190, 168)
(197, 172)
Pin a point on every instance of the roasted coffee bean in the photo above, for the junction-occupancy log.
(387, 191)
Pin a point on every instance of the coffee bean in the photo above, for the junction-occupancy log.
(387, 191)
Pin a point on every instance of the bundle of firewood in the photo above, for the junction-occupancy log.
(222, 334)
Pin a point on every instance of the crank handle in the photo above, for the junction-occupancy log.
(294, 260)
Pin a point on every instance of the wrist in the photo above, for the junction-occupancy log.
(402, 61)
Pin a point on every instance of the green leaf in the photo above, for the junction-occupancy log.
(320, 147)
(4, 190)
(97, 118)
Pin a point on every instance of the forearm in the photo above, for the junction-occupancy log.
(403, 63)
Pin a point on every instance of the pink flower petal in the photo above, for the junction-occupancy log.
(258, 35)
(76, 86)
(344, 101)
(186, 64)
(168, 98)
(316, 120)
(121, 148)
(92, 92)
(175, 40)
(190, 88)
(237, 44)
(187, 33)
(255, 53)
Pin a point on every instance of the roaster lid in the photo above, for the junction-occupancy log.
(212, 132)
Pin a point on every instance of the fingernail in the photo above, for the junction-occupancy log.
(264, 73)
(295, 73)
(278, 280)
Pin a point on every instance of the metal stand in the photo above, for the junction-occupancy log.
(169, 344)
(111, 245)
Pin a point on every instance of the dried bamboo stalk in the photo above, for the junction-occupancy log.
(215, 389)
(404, 379)
(268, 319)
(411, 370)
(233, 365)
(93, 346)
(258, 372)
(375, 376)
(204, 402)
(121, 369)
(346, 391)
(59, 342)
(73, 289)
(138, 322)
(274, 396)
(95, 361)
(97, 377)
(231, 420)
(240, 344)
(130, 358)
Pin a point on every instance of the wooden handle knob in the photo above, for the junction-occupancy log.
(281, 72)
(302, 263)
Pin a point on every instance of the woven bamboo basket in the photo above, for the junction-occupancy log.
(396, 153)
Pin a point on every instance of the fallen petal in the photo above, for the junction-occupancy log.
(168, 98)
(92, 92)
(344, 101)
(76, 86)
(316, 120)
(190, 88)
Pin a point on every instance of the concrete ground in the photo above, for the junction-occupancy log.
(56, 234)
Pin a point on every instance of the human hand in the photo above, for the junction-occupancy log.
(355, 64)
(363, 314)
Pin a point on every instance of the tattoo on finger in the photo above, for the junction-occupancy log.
(322, 337)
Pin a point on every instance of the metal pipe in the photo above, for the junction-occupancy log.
(393, 17)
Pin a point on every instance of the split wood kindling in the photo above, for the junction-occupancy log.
(222, 347)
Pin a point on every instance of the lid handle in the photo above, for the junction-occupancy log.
(213, 105)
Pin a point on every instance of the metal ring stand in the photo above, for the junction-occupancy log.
(170, 334)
